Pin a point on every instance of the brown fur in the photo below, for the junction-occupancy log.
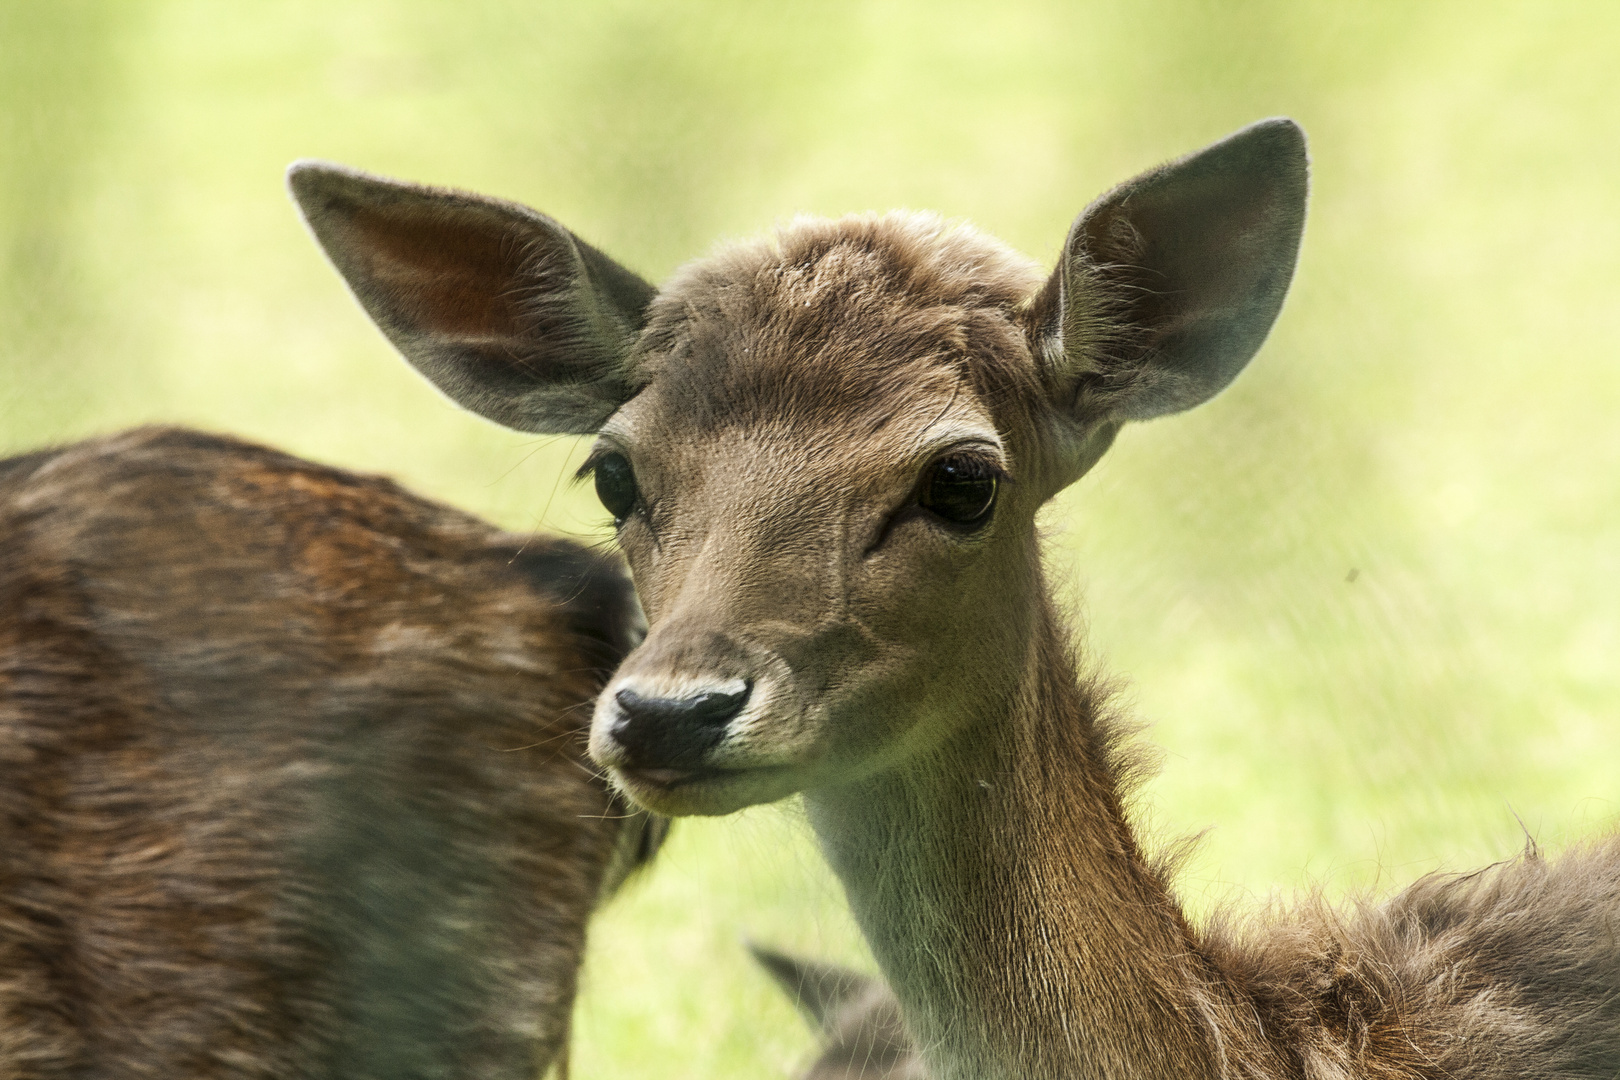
(782, 412)
(291, 771)
(1512, 971)
(1438, 981)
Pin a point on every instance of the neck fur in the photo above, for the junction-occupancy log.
(1006, 900)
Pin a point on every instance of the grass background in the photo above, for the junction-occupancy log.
(1369, 599)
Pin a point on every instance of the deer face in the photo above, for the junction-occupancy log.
(824, 453)
(826, 491)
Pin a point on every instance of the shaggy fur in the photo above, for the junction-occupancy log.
(784, 408)
(1511, 971)
(291, 771)
(1489, 974)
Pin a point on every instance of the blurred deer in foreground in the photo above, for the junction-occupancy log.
(292, 775)
(855, 1017)
(825, 453)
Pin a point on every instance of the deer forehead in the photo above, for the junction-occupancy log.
(838, 333)
(780, 445)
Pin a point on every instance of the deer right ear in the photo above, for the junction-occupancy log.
(1169, 283)
(503, 309)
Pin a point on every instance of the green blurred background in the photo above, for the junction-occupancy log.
(1369, 599)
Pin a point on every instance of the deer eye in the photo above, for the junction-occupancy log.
(961, 489)
(616, 485)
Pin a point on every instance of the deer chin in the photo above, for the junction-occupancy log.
(705, 791)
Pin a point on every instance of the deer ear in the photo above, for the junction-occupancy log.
(1169, 283)
(818, 990)
(503, 309)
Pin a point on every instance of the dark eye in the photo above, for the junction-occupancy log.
(961, 489)
(616, 485)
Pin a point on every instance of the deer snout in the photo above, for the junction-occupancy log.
(650, 729)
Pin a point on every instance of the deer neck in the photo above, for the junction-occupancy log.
(1006, 900)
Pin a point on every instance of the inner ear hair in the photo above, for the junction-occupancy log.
(1169, 283)
(502, 308)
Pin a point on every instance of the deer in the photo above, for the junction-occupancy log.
(293, 778)
(855, 1016)
(824, 452)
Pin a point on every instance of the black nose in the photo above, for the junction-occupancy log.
(673, 733)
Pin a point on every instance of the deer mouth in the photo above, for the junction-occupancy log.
(706, 791)
(670, 778)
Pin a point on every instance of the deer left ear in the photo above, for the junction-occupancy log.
(503, 309)
(1169, 283)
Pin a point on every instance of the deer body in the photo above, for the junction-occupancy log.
(291, 771)
(824, 454)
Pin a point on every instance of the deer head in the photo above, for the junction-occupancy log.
(824, 450)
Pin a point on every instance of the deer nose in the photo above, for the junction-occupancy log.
(674, 732)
